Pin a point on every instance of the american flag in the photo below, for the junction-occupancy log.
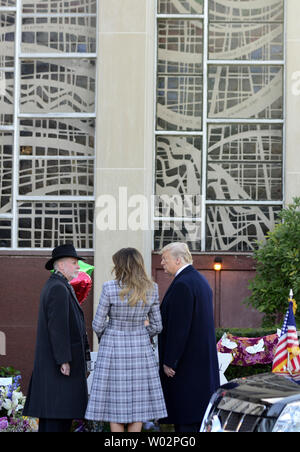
(287, 356)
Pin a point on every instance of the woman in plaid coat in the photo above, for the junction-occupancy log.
(126, 386)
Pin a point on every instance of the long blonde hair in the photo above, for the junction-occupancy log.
(131, 275)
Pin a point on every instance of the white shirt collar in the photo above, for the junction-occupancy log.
(180, 269)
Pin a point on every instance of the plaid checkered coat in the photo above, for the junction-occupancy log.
(126, 386)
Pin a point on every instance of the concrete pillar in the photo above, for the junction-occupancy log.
(125, 132)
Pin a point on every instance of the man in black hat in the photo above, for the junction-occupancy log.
(57, 392)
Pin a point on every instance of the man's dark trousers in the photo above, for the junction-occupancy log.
(54, 425)
(191, 428)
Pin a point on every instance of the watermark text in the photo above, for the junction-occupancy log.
(140, 213)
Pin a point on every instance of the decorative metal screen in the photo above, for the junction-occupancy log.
(47, 122)
(6, 164)
(219, 122)
(53, 222)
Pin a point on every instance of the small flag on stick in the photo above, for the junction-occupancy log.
(287, 356)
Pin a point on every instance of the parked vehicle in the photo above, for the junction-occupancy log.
(260, 403)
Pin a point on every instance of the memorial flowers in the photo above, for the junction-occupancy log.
(12, 401)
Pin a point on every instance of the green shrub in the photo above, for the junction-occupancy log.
(6, 372)
(278, 268)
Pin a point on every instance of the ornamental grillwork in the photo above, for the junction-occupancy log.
(47, 116)
(219, 120)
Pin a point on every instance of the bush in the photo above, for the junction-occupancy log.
(278, 268)
(6, 372)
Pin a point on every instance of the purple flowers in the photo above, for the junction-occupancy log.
(11, 406)
(3, 423)
(14, 425)
(14, 386)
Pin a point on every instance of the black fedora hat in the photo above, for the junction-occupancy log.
(61, 251)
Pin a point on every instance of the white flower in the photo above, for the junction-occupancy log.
(14, 403)
(8, 406)
(16, 396)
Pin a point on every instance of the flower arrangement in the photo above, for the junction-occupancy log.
(12, 403)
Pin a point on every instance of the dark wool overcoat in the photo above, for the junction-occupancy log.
(61, 338)
(187, 344)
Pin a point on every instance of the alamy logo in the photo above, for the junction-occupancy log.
(2, 344)
(140, 213)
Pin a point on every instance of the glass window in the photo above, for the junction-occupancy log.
(9, 3)
(173, 231)
(179, 103)
(64, 137)
(47, 183)
(6, 164)
(178, 165)
(6, 97)
(179, 75)
(5, 233)
(58, 85)
(245, 41)
(180, 6)
(44, 224)
(7, 38)
(59, 6)
(244, 162)
(40, 177)
(237, 228)
(245, 92)
(246, 11)
(219, 122)
(59, 34)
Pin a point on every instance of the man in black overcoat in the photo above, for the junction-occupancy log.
(57, 392)
(187, 344)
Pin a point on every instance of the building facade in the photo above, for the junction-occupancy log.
(137, 123)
